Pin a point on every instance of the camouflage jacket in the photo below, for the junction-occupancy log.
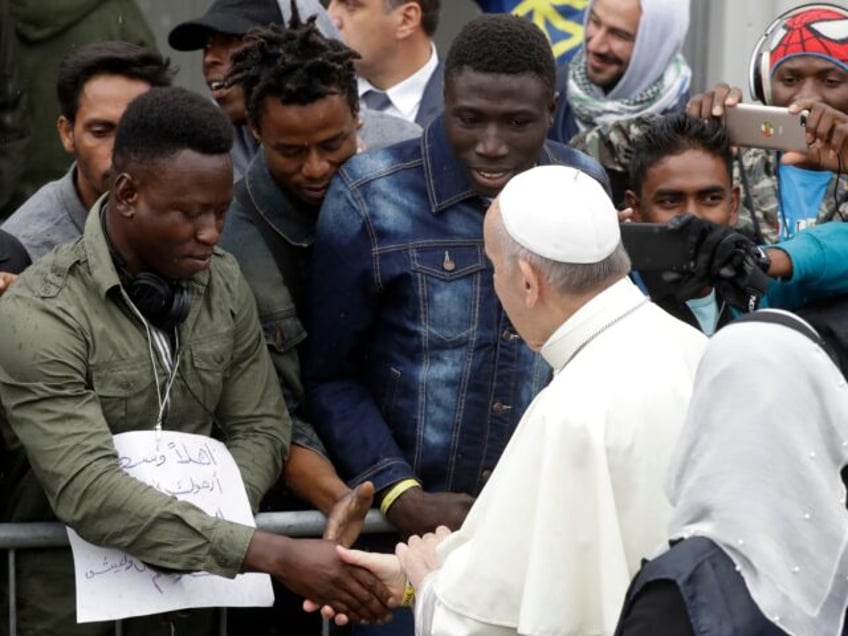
(612, 146)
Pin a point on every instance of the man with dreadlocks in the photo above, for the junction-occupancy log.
(221, 30)
(301, 104)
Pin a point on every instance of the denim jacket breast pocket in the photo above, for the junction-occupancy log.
(449, 287)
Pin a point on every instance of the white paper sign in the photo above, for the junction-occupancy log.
(111, 584)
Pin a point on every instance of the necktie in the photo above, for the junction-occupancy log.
(376, 100)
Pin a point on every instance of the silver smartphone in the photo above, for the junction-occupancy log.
(766, 127)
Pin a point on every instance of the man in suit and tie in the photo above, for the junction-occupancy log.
(399, 70)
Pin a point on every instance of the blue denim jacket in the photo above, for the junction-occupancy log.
(413, 369)
(279, 294)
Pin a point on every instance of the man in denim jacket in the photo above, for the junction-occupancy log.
(415, 377)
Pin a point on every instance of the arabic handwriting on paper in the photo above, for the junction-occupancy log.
(127, 463)
(178, 452)
(192, 486)
(125, 563)
(203, 456)
(112, 584)
(161, 581)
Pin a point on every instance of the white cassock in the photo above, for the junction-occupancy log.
(577, 499)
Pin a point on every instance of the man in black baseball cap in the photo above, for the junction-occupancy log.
(236, 17)
(229, 17)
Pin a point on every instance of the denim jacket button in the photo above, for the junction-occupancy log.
(500, 407)
(508, 335)
(448, 264)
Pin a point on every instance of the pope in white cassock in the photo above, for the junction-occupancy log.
(577, 498)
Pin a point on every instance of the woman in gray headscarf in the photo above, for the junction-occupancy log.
(760, 528)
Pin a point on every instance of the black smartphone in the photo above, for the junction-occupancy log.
(654, 247)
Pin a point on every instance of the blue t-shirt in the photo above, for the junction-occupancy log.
(706, 312)
(801, 194)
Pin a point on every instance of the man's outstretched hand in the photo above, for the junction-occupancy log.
(345, 521)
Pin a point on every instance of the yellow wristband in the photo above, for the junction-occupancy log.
(408, 599)
(397, 490)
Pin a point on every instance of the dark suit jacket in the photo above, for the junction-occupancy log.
(432, 99)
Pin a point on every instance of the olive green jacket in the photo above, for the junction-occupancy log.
(76, 368)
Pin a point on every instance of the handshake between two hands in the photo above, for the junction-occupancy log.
(391, 575)
(350, 585)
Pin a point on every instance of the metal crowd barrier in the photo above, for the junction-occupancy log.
(29, 536)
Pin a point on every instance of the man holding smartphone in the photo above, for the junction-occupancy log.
(805, 68)
(682, 164)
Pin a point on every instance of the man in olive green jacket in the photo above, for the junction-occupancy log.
(143, 311)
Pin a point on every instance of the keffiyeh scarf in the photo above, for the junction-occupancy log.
(592, 107)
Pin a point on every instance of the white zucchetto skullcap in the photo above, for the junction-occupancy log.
(561, 214)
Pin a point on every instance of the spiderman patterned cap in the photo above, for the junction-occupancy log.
(821, 31)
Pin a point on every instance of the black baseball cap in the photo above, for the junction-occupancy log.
(233, 17)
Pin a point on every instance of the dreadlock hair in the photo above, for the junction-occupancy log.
(166, 120)
(502, 44)
(674, 134)
(297, 65)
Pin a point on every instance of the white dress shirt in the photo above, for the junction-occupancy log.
(405, 96)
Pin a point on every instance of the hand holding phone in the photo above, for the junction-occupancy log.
(827, 129)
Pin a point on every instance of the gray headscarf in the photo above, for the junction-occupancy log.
(757, 470)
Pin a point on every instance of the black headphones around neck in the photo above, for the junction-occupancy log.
(163, 304)
(759, 68)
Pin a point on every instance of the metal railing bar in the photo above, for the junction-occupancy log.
(298, 523)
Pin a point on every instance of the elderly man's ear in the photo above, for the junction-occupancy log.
(531, 282)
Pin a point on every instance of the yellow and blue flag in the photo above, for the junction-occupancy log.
(562, 20)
